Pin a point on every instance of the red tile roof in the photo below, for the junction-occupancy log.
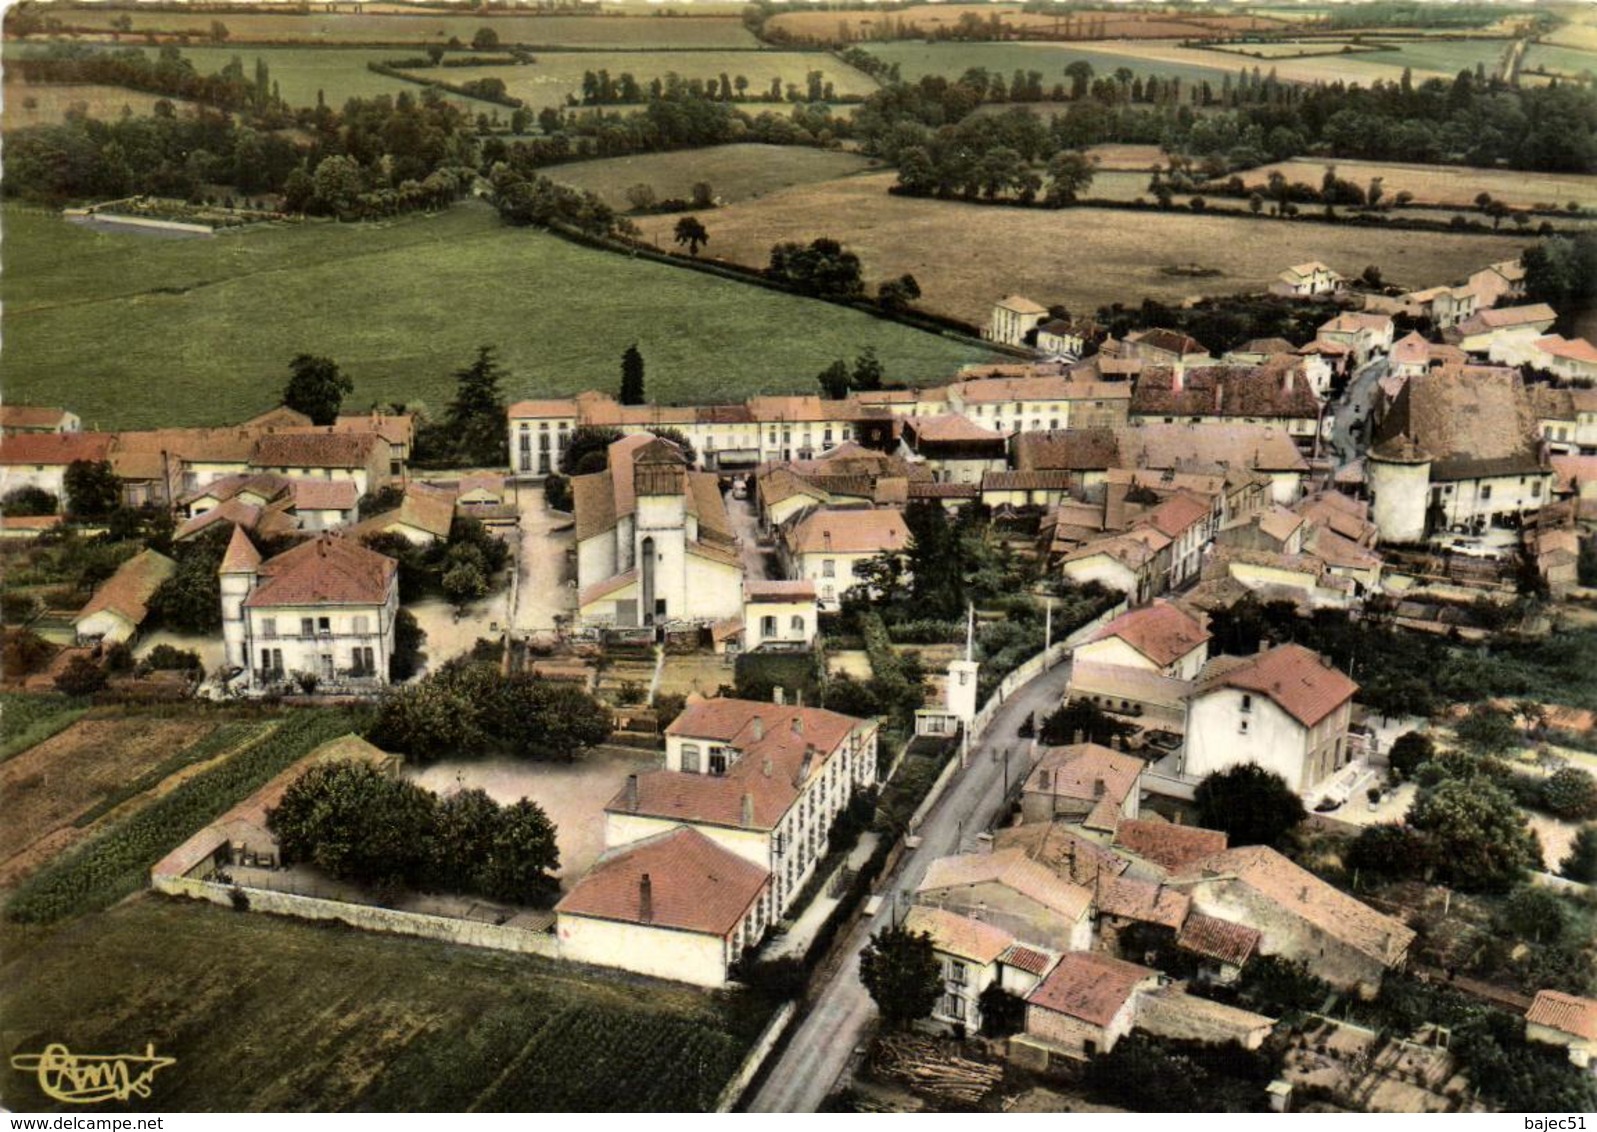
(1567, 1013)
(1026, 959)
(774, 744)
(128, 591)
(694, 885)
(845, 531)
(1224, 391)
(327, 570)
(54, 449)
(1012, 869)
(314, 450)
(1145, 901)
(1076, 771)
(241, 556)
(1217, 939)
(1168, 845)
(1162, 632)
(778, 591)
(324, 495)
(1055, 845)
(1089, 986)
(1295, 678)
(30, 417)
(969, 938)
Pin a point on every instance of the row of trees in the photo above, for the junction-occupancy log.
(361, 824)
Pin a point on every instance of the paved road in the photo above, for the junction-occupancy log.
(821, 1046)
(1355, 404)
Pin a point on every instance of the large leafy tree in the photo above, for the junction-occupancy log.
(587, 450)
(317, 388)
(1252, 805)
(901, 972)
(93, 489)
(521, 855)
(190, 601)
(1482, 840)
(356, 822)
(1581, 864)
(822, 269)
(476, 417)
(691, 233)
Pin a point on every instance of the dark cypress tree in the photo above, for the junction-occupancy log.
(632, 376)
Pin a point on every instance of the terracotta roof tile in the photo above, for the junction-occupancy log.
(1220, 940)
(1146, 901)
(1011, 869)
(314, 450)
(1224, 391)
(1090, 986)
(694, 885)
(1210, 448)
(1162, 632)
(1292, 676)
(1026, 959)
(759, 590)
(1167, 341)
(327, 570)
(953, 934)
(950, 428)
(31, 417)
(324, 495)
(1567, 1013)
(1083, 449)
(54, 449)
(850, 532)
(1076, 771)
(1166, 844)
(1300, 893)
(1058, 847)
(241, 556)
(128, 591)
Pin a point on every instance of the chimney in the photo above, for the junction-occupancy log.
(758, 724)
(1303, 893)
(1177, 379)
(1046, 780)
(778, 697)
(826, 539)
(1219, 396)
(798, 725)
(632, 793)
(645, 900)
(804, 767)
(1287, 380)
(766, 767)
(981, 911)
(748, 810)
(1099, 787)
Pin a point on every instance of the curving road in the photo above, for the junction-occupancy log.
(820, 1048)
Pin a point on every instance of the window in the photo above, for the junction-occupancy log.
(958, 973)
(1247, 702)
(307, 627)
(690, 758)
(324, 624)
(1536, 490)
(1486, 491)
(269, 628)
(767, 627)
(828, 568)
(1242, 727)
(797, 625)
(362, 625)
(952, 1006)
(718, 760)
(327, 665)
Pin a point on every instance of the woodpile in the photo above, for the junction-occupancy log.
(927, 1067)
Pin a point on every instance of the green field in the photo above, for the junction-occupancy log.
(655, 30)
(27, 720)
(1560, 60)
(134, 332)
(556, 75)
(339, 73)
(735, 172)
(916, 58)
(268, 1014)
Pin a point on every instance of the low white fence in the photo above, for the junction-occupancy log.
(756, 1057)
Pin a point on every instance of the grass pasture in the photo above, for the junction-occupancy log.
(656, 29)
(269, 1014)
(28, 719)
(137, 333)
(966, 257)
(1457, 186)
(1554, 60)
(554, 76)
(735, 172)
(32, 104)
(951, 60)
(1428, 58)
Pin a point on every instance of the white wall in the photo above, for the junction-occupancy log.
(1216, 738)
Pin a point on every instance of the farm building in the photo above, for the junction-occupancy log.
(1567, 1020)
(117, 609)
(973, 956)
(1161, 638)
(955, 448)
(1084, 784)
(23, 420)
(1305, 280)
(41, 460)
(1086, 1004)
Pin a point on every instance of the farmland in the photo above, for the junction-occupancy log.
(33, 719)
(555, 76)
(967, 256)
(923, 20)
(48, 105)
(674, 30)
(97, 320)
(1556, 60)
(952, 59)
(735, 172)
(1428, 58)
(1452, 185)
(267, 1014)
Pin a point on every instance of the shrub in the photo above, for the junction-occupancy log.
(28, 500)
(166, 658)
(82, 677)
(1409, 752)
(1571, 794)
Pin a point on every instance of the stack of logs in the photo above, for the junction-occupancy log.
(927, 1068)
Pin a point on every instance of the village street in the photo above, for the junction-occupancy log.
(1355, 405)
(821, 1046)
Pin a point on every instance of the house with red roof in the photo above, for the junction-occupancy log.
(19, 420)
(1009, 890)
(761, 780)
(41, 459)
(1285, 709)
(829, 546)
(975, 955)
(1567, 1020)
(676, 905)
(319, 615)
(1087, 1003)
(121, 602)
(1084, 784)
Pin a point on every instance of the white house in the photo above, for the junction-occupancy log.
(1567, 1020)
(654, 544)
(975, 955)
(1285, 709)
(1161, 638)
(1012, 319)
(779, 615)
(1361, 333)
(1501, 328)
(17, 420)
(1306, 280)
(41, 459)
(829, 546)
(324, 610)
(1009, 890)
(763, 781)
(674, 905)
(117, 609)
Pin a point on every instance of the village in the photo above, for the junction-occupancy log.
(1032, 696)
